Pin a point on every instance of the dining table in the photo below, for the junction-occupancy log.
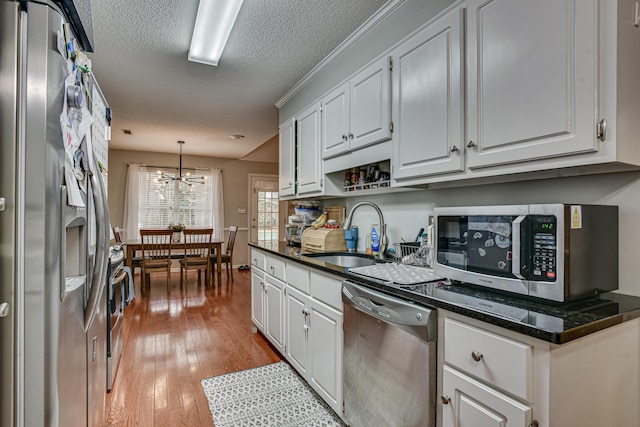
(135, 246)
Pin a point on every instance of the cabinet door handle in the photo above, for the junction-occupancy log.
(601, 130)
(471, 144)
(453, 149)
(445, 399)
(476, 355)
(344, 137)
(350, 135)
(4, 309)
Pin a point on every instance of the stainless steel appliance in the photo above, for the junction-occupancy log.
(558, 252)
(117, 299)
(53, 256)
(389, 360)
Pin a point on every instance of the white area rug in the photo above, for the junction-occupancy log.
(271, 395)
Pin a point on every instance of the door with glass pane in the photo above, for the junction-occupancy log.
(265, 210)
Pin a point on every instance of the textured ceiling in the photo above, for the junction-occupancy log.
(140, 62)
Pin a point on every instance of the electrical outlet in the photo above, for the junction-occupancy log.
(242, 210)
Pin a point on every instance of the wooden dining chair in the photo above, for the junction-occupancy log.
(197, 248)
(117, 235)
(156, 255)
(227, 256)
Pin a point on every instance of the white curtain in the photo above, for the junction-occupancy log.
(217, 208)
(137, 173)
(131, 202)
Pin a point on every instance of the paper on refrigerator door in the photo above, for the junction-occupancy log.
(75, 124)
(74, 196)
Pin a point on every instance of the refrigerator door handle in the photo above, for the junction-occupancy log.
(99, 278)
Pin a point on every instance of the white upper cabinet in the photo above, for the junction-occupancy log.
(309, 166)
(487, 89)
(370, 105)
(357, 113)
(532, 79)
(287, 168)
(427, 100)
(549, 90)
(335, 122)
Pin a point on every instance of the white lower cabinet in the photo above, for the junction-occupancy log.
(314, 345)
(297, 330)
(480, 368)
(267, 299)
(325, 345)
(489, 376)
(471, 403)
(273, 302)
(302, 318)
(257, 298)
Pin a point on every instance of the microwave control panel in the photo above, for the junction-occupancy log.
(545, 247)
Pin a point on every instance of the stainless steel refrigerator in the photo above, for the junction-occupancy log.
(53, 250)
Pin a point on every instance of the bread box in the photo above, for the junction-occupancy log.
(323, 240)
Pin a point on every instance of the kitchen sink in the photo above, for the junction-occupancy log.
(343, 259)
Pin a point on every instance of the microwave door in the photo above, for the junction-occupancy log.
(517, 238)
(490, 244)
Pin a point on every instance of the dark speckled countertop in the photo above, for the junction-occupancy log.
(548, 321)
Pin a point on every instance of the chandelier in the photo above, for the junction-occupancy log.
(186, 178)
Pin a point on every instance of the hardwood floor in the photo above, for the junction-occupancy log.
(173, 341)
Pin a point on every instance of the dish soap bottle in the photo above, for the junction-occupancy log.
(375, 241)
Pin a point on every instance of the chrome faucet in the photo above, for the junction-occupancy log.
(383, 227)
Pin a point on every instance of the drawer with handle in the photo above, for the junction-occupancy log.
(497, 360)
(257, 259)
(275, 267)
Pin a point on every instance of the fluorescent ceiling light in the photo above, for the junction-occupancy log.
(214, 22)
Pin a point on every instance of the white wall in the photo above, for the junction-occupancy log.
(405, 213)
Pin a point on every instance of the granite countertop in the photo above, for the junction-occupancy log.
(549, 321)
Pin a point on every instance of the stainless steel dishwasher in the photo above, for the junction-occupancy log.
(389, 360)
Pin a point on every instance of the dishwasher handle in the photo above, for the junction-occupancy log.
(413, 318)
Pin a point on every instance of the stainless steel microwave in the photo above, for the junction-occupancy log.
(558, 252)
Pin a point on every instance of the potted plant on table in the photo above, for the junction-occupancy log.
(177, 231)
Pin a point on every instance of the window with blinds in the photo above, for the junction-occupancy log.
(174, 202)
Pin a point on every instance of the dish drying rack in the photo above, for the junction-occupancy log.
(412, 253)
